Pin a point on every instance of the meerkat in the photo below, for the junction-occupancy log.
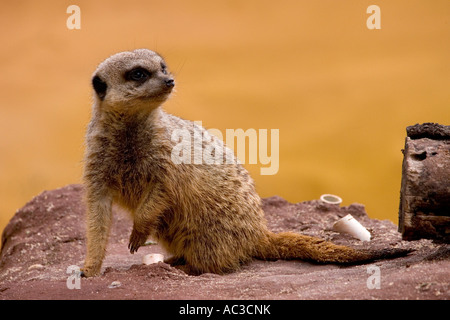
(207, 216)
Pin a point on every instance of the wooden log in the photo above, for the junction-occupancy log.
(425, 188)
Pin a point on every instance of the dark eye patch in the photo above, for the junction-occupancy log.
(138, 74)
(100, 87)
(163, 68)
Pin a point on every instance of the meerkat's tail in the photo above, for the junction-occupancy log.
(290, 245)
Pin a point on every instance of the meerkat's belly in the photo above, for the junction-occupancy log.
(130, 180)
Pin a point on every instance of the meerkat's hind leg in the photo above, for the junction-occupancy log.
(175, 261)
(180, 263)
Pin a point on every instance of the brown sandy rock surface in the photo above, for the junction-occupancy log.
(47, 236)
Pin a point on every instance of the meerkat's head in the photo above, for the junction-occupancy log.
(132, 79)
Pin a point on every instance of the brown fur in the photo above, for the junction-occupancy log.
(208, 216)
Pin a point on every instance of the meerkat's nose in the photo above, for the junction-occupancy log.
(170, 82)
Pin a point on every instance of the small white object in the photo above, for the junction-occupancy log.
(350, 225)
(150, 243)
(36, 267)
(330, 198)
(152, 258)
(115, 284)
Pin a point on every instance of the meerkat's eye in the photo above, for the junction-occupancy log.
(163, 68)
(138, 74)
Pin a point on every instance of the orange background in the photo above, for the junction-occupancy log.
(340, 94)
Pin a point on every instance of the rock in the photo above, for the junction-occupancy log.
(425, 189)
(55, 239)
(428, 130)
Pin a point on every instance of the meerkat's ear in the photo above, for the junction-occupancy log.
(100, 87)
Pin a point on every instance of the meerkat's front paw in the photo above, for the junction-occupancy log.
(137, 239)
(90, 271)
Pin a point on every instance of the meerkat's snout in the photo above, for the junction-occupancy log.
(170, 83)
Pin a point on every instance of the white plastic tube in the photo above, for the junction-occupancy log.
(350, 225)
(330, 198)
(152, 258)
